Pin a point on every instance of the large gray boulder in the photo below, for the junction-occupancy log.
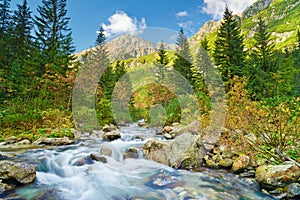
(185, 151)
(273, 176)
(157, 151)
(20, 172)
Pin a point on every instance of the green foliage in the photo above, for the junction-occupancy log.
(162, 61)
(183, 62)
(229, 55)
(53, 36)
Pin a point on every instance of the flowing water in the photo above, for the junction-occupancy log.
(59, 176)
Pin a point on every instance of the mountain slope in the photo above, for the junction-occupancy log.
(282, 17)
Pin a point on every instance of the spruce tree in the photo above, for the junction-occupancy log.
(204, 44)
(183, 63)
(5, 39)
(119, 70)
(263, 63)
(229, 55)
(162, 61)
(21, 70)
(107, 81)
(54, 36)
(22, 27)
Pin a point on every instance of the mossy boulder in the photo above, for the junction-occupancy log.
(17, 172)
(274, 176)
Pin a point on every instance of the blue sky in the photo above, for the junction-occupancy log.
(118, 16)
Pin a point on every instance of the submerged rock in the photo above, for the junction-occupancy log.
(273, 176)
(98, 157)
(20, 172)
(131, 152)
(106, 151)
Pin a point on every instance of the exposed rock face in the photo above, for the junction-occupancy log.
(53, 141)
(273, 176)
(157, 151)
(207, 28)
(256, 8)
(110, 136)
(20, 172)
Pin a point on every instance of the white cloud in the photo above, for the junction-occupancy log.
(120, 23)
(182, 14)
(216, 8)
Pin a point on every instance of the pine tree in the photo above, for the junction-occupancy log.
(22, 27)
(21, 70)
(119, 70)
(204, 44)
(5, 19)
(54, 36)
(183, 63)
(200, 69)
(162, 61)
(263, 63)
(229, 55)
(107, 81)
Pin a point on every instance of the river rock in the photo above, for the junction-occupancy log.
(293, 191)
(168, 129)
(98, 157)
(11, 140)
(131, 152)
(109, 128)
(225, 163)
(75, 133)
(157, 151)
(185, 151)
(23, 142)
(21, 172)
(241, 163)
(7, 155)
(83, 161)
(53, 141)
(110, 136)
(5, 187)
(193, 128)
(273, 176)
(106, 151)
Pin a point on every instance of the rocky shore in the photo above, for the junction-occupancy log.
(180, 148)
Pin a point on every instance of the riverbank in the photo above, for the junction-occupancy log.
(182, 148)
